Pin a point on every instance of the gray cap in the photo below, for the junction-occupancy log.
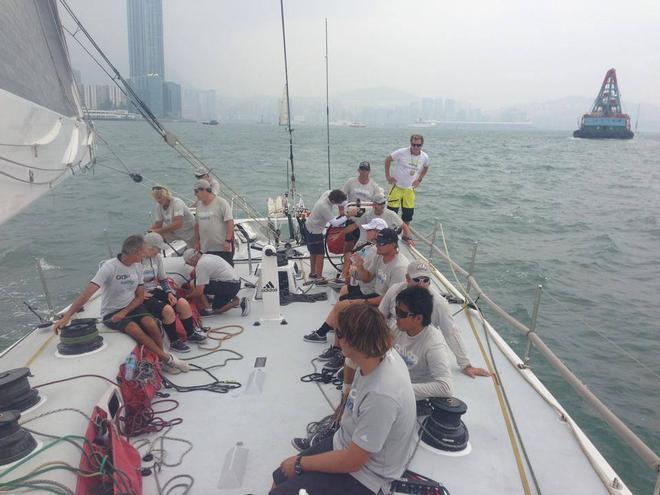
(189, 255)
(154, 239)
(379, 198)
(202, 184)
(418, 268)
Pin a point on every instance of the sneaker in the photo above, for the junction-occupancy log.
(179, 346)
(300, 444)
(245, 306)
(315, 338)
(336, 362)
(177, 363)
(206, 312)
(196, 337)
(329, 353)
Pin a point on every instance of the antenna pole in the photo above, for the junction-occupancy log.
(288, 107)
(327, 101)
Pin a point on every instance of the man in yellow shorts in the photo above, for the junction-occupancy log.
(410, 167)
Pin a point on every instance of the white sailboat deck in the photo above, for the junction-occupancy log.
(265, 418)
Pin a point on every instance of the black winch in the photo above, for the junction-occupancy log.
(79, 337)
(15, 442)
(15, 390)
(444, 429)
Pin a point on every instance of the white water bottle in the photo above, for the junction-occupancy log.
(129, 367)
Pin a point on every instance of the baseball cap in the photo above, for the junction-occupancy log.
(200, 174)
(418, 268)
(189, 254)
(202, 184)
(365, 165)
(154, 239)
(375, 224)
(387, 236)
(379, 198)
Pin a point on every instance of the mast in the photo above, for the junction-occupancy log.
(327, 102)
(288, 108)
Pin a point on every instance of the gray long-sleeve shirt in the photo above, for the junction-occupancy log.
(441, 318)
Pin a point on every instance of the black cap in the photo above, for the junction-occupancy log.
(387, 236)
(365, 165)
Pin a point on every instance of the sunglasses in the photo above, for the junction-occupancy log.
(401, 314)
(421, 280)
(158, 188)
(416, 145)
(197, 190)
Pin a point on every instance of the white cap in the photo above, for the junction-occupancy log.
(375, 224)
(189, 254)
(154, 239)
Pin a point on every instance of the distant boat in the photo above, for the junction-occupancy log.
(606, 120)
(357, 124)
(211, 122)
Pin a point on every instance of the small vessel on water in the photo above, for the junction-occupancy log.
(606, 119)
(211, 122)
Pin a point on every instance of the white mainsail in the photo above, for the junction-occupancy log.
(43, 136)
(284, 109)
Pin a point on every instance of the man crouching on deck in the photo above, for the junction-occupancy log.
(120, 280)
(377, 435)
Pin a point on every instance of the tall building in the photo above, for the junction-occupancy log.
(172, 97)
(145, 52)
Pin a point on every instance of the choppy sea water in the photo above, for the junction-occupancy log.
(580, 217)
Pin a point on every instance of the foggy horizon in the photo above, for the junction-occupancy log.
(491, 54)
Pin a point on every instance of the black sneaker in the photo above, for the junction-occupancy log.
(335, 363)
(206, 312)
(245, 306)
(197, 337)
(329, 353)
(315, 338)
(300, 444)
(179, 347)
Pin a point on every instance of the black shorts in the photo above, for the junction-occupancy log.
(222, 291)
(157, 302)
(134, 316)
(354, 292)
(315, 243)
(354, 235)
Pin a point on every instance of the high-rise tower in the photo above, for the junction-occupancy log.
(145, 51)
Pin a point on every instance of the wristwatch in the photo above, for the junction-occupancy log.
(297, 467)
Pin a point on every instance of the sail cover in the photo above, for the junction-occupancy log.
(42, 133)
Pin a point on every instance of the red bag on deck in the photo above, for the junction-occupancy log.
(335, 246)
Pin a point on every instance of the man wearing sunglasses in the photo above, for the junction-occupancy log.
(418, 274)
(214, 223)
(410, 167)
(420, 344)
(215, 185)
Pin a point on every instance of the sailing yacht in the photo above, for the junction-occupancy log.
(72, 421)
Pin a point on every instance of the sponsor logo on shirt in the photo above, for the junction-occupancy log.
(350, 401)
(410, 358)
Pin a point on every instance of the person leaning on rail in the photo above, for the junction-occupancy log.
(418, 274)
(172, 218)
(122, 294)
(160, 299)
(377, 433)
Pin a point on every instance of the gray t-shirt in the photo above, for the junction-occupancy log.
(153, 272)
(380, 417)
(440, 318)
(354, 189)
(392, 220)
(118, 284)
(368, 252)
(322, 213)
(212, 267)
(212, 223)
(425, 355)
(386, 274)
(176, 208)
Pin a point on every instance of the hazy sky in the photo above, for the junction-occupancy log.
(488, 52)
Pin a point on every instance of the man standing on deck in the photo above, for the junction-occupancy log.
(122, 294)
(410, 168)
(214, 223)
(322, 213)
(215, 185)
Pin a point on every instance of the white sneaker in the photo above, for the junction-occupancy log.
(177, 363)
(245, 306)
